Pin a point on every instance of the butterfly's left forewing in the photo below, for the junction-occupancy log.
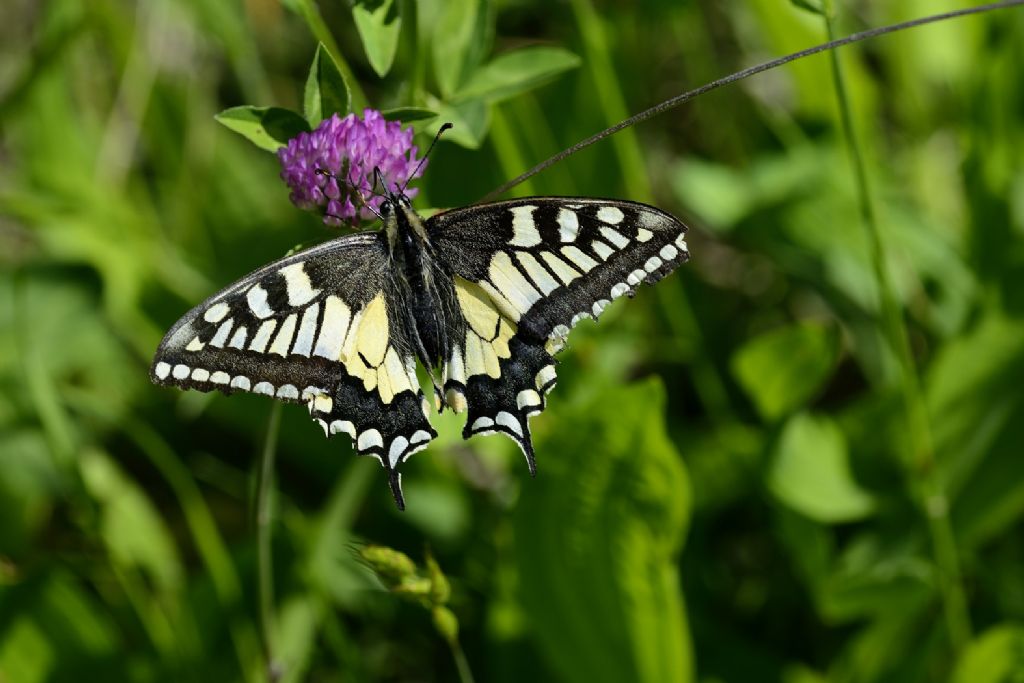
(327, 327)
(525, 272)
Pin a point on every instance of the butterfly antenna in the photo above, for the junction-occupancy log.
(430, 149)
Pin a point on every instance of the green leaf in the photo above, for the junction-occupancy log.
(783, 369)
(996, 656)
(516, 72)
(812, 6)
(598, 534)
(409, 114)
(810, 472)
(268, 128)
(130, 525)
(379, 24)
(326, 91)
(462, 36)
(470, 121)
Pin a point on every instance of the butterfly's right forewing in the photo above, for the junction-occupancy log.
(525, 272)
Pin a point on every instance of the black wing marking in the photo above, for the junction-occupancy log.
(327, 327)
(525, 272)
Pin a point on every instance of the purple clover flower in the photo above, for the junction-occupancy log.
(360, 144)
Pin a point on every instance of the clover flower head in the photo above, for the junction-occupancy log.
(332, 166)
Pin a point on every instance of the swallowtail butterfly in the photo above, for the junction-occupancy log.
(487, 294)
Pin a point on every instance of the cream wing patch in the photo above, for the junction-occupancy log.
(487, 334)
(367, 354)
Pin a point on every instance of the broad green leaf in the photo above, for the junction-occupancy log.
(409, 114)
(812, 6)
(516, 72)
(996, 656)
(470, 121)
(810, 472)
(326, 91)
(598, 535)
(379, 23)
(268, 128)
(130, 524)
(785, 368)
(462, 36)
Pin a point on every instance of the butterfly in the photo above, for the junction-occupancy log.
(484, 295)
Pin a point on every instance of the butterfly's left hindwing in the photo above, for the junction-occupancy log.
(525, 272)
(327, 327)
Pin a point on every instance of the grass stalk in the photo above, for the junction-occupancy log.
(921, 464)
(264, 554)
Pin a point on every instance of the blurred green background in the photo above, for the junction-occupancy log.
(739, 479)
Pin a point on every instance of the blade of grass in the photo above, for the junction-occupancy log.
(921, 465)
(264, 563)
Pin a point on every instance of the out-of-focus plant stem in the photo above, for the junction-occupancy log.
(264, 518)
(921, 466)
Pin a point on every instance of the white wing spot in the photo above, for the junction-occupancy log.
(644, 235)
(195, 345)
(568, 225)
(668, 252)
(509, 421)
(300, 289)
(398, 447)
(602, 249)
(524, 229)
(220, 377)
(545, 378)
(284, 338)
(482, 423)
(585, 263)
(307, 331)
(619, 289)
(599, 306)
(263, 388)
(180, 371)
(287, 391)
(238, 339)
(369, 439)
(162, 370)
(222, 333)
(262, 338)
(652, 264)
(636, 277)
(419, 436)
(339, 426)
(257, 298)
(615, 237)
(200, 374)
(528, 398)
(216, 313)
(610, 214)
(241, 382)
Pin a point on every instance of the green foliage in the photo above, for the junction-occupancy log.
(764, 468)
(326, 90)
(598, 534)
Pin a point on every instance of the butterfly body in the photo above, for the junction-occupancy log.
(483, 297)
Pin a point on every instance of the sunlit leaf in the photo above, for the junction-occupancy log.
(408, 114)
(598, 532)
(379, 24)
(461, 36)
(996, 656)
(268, 128)
(516, 72)
(783, 369)
(326, 91)
(810, 472)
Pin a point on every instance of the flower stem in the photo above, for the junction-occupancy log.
(921, 465)
(465, 674)
(264, 561)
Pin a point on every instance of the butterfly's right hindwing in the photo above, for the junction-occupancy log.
(327, 327)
